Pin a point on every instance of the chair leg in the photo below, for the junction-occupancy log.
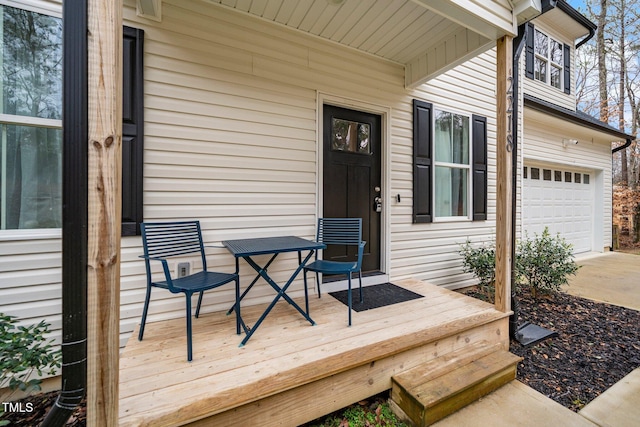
(318, 283)
(237, 306)
(306, 292)
(360, 279)
(189, 347)
(349, 298)
(199, 304)
(144, 313)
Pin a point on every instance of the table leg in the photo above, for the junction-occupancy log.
(250, 285)
(281, 293)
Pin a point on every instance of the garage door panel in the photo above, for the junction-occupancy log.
(563, 203)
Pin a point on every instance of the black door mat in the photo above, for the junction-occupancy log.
(375, 296)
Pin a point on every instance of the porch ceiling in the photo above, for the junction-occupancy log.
(427, 37)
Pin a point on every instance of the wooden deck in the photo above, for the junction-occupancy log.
(291, 372)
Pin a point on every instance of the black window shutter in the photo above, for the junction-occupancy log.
(422, 164)
(132, 131)
(529, 50)
(567, 69)
(479, 168)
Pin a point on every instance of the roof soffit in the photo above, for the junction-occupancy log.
(427, 37)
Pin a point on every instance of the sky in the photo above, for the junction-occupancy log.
(577, 4)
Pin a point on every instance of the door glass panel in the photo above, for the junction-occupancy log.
(350, 136)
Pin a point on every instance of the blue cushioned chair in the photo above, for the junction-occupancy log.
(338, 231)
(162, 240)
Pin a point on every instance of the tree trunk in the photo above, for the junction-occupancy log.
(602, 64)
(624, 172)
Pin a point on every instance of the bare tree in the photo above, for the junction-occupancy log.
(615, 55)
(602, 62)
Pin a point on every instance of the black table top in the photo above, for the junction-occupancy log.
(270, 245)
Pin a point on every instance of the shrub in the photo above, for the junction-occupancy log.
(481, 262)
(23, 351)
(545, 262)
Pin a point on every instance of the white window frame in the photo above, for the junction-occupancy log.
(29, 121)
(549, 64)
(467, 167)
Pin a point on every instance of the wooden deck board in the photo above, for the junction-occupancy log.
(159, 387)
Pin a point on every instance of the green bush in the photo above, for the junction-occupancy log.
(545, 262)
(23, 351)
(481, 262)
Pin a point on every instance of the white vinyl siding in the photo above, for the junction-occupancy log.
(544, 90)
(30, 278)
(231, 139)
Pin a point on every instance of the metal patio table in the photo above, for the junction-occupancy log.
(249, 248)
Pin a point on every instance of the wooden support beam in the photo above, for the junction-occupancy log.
(104, 209)
(504, 141)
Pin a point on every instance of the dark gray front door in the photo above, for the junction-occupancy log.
(352, 177)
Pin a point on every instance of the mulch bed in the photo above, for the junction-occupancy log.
(41, 403)
(598, 344)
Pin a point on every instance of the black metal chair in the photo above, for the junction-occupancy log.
(338, 231)
(162, 240)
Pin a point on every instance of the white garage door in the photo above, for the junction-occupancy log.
(561, 199)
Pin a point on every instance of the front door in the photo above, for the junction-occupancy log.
(352, 178)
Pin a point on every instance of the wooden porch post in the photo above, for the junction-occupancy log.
(104, 209)
(504, 165)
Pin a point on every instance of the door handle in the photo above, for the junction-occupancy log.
(377, 204)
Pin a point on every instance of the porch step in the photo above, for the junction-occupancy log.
(431, 391)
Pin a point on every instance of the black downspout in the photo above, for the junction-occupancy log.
(518, 46)
(622, 147)
(74, 212)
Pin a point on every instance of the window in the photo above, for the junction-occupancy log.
(31, 125)
(450, 165)
(547, 60)
(350, 136)
(535, 173)
(30, 120)
(451, 154)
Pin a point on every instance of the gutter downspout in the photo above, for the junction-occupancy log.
(580, 18)
(592, 32)
(622, 147)
(518, 46)
(74, 212)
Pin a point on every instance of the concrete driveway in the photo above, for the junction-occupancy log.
(613, 277)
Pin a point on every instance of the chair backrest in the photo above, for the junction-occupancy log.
(339, 231)
(167, 239)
